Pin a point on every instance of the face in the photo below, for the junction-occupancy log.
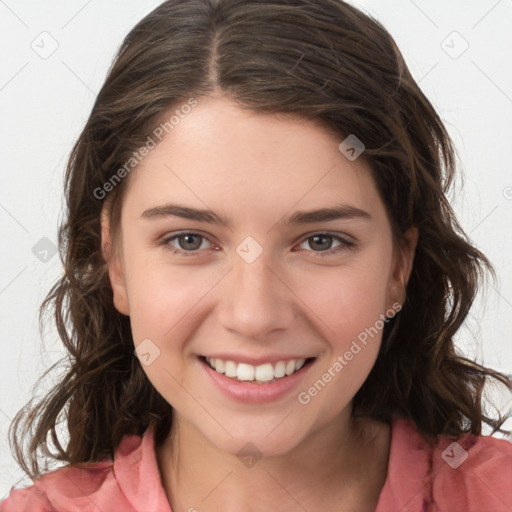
(257, 285)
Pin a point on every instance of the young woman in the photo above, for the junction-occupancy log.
(263, 279)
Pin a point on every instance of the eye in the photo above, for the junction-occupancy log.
(189, 243)
(323, 241)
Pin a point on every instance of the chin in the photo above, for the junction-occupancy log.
(260, 441)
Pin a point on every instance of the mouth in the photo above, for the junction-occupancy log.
(266, 373)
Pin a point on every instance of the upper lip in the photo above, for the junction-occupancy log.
(256, 360)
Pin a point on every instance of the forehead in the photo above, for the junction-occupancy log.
(221, 155)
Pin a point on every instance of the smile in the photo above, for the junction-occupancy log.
(268, 372)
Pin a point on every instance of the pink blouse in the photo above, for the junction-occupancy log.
(471, 475)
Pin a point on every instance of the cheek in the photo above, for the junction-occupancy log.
(349, 306)
(347, 299)
(164, 298)
(165, 309)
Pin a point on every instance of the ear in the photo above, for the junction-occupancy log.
(115, 264)
(402, 267)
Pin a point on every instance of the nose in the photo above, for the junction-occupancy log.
(256, 299)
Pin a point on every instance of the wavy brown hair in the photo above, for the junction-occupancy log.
(326, 61)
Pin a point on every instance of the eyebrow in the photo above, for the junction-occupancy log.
(338, 212)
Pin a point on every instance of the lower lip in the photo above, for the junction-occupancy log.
(252, 392)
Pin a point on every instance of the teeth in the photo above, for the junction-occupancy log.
(262, 373)
(245, 372)
(280, 370)
(219, 365)
(229, 368)
(290, 367)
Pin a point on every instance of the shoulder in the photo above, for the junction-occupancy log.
(81, 487)
(29, 498)
(472, 473)
(86, 487)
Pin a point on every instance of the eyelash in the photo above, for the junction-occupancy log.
(346, 244)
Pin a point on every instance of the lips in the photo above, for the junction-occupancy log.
(250, 390)
(266, 372)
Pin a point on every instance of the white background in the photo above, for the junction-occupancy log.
(44, 104)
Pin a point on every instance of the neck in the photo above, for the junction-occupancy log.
(343, 463)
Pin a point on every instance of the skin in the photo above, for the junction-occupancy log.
(258, 169)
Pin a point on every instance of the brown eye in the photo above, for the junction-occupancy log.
(321, 242)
